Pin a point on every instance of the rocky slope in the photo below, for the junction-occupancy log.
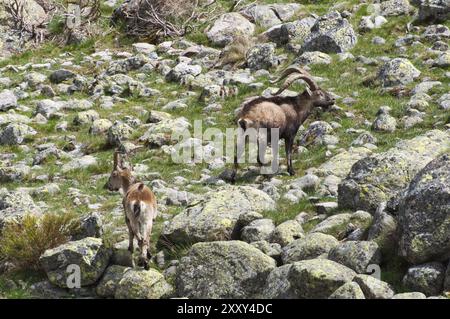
(366, 216)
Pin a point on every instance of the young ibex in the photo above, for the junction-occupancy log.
(283, 113)
(139, 204)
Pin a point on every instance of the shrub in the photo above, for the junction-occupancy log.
(22, 243)
(156, 19)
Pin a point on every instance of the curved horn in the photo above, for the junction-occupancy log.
(116, 159)
(309, 81)
(288, 71)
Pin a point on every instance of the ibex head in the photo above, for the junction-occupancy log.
(318, 96)
(119, 174)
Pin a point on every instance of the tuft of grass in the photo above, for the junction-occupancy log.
(22, 243)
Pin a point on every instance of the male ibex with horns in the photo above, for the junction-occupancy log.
(284, 113)
(139, 204)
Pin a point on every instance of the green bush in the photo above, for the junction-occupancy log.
(56, 25)
(22, 243)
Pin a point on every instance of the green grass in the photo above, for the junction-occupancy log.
(16, 285)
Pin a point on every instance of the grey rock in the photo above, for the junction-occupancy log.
(410, 295)
(142, 284)
(216, 216)
(227, 26)
(444, 101)
(86, 117)
(15, 205)
(424, 214)
(318, 278)
(287, 232)
(100, 126)
(182, 71)
(434, 10)
(231, 269)
(270, 249)
(381, 177)
(314, 57)
(61, 75)
(315, 133)
(384, 230)
(357, 255)
(309, 247)
(278, 285)
(16, 133)
(90, 254)
(330, 34)
(118, 133)
(262, 57)
(384, 121)
(340, 225)
(426, 278)
(443, 60)
(349, 290)
(395, 8)
(398, 71)
(436, 32)
(260, 229)
(374, 288)
(8, 100)
(79, 163)
(48, 107)
(107, 285)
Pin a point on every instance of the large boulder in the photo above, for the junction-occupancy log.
(33, 14)
(374, 288)
(227, 26)
(318, 278)
(307, 279)
(90, 254)
(108, 284)
(142, 284)
(331, 34)
(340, 225)
(278, 285)
(424, 214)
(426, 278)
(398, 71)
(357, 255)
(434, 10)
(223, 269)
(383, 176)
(216, 216)
(309, 247)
